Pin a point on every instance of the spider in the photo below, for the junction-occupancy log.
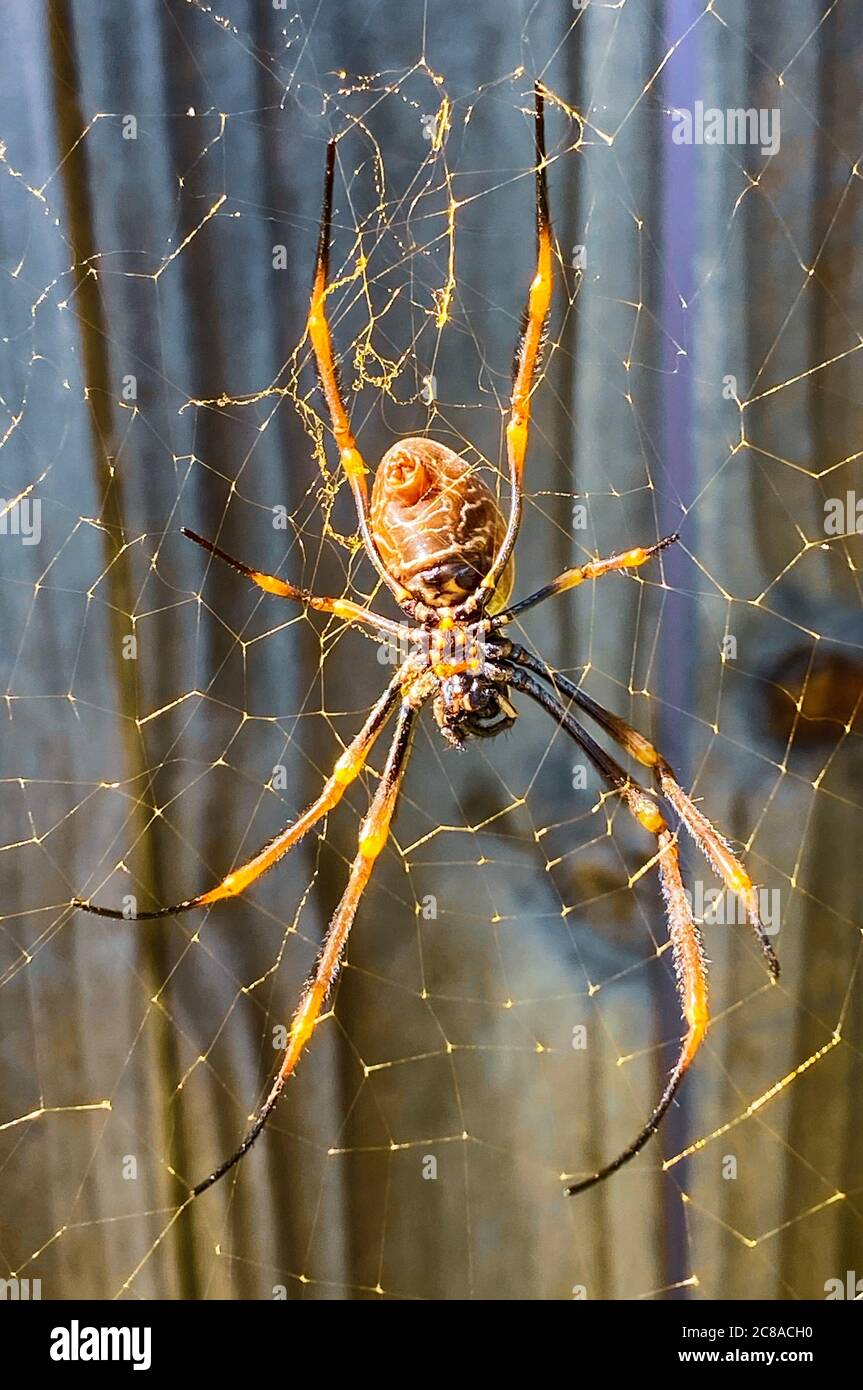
(434, 533)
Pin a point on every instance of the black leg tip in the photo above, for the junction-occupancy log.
(84, 905)
(573, 1188)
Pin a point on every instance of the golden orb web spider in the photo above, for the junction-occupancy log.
(435, 535)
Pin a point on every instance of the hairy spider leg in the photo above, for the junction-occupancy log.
(686, 950)
(373, 835)
(347, 768)
(713, 846)
(593, 569)
(319, 332)
(526, 361)
(271, 584)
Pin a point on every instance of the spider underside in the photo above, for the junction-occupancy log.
(434, 533)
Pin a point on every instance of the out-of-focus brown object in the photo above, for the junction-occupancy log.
(826, 689)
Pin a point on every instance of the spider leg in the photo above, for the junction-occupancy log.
(347, 768)
(526, 362)
(713, 846)
(373, 835)
(571, 578)
(341, 608)
(686, 949)
(319, 333)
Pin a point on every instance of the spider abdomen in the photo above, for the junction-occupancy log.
(436, 524)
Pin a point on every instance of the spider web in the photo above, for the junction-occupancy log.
(507, 1014)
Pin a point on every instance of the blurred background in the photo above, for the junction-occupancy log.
(507, 1013)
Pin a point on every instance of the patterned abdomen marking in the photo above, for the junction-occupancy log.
(436, 523)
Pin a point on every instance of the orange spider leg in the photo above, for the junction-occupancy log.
(719, 853)
(526, 363)
(593, 569)
(341, 608)
(373, 835)
(347, 769)
(713, 846)
(319, 332)
(686, 950)
(691, 976)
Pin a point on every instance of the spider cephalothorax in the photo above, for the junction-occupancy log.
(438, 541)
(451, 665)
